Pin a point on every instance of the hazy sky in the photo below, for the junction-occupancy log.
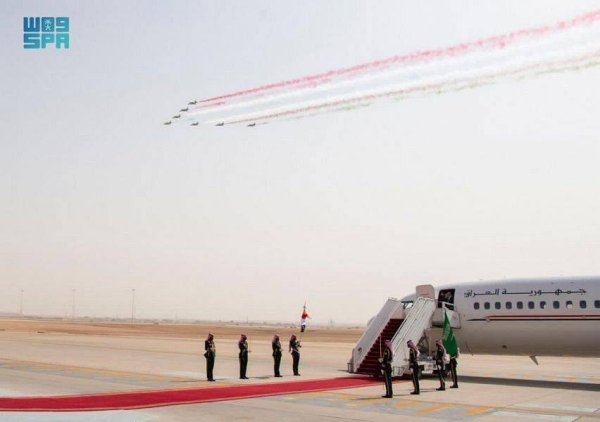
(340, 210)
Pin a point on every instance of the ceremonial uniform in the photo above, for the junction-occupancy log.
(386, 364)
(453, 365)
(439, 363)
(294, 350)
(276, 345)
(413, 363)
(209, 354)
(243, 356)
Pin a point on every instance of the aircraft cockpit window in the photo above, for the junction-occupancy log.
(582, 304)
(519, 305)
(556, 304)
(497, 305)
(531, 305)
(543, 304)
(569, 304)
(597, 304)
(486, 305)
(476, 305)
(508, 305)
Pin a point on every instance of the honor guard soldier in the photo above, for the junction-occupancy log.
(453, 365)
(294, 350)
(276, 345)
(440, 355)
(413, 363)
(243, 356)
(209, 353)
(386, 366)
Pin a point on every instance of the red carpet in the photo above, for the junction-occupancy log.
(156, 398)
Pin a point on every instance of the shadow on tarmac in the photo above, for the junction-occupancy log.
(561, 385)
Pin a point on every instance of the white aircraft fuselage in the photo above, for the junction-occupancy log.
(533, 317)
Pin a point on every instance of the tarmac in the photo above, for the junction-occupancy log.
(492, 388)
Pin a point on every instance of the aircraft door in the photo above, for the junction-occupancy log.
(426, 290)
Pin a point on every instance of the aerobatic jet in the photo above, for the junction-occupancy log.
(184, 109)
(221, 124)
(194, 124)
(177, 116)
(167, 123)
(192, 102)
(251, 125)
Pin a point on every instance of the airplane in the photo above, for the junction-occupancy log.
(177, 116)
(529, 317)
(194, 124)
(521, 317)
(251, 125)
(184, 109)
(220, 124)
(192, 102)
(167, 123)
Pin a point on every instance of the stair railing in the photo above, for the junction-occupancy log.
(393, 307)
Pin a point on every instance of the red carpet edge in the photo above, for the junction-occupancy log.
(171, 397)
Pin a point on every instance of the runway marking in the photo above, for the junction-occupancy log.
(512, 414)
(476, 410)
(434, 408)
(405, 403)
(366, 402)
(565, 408)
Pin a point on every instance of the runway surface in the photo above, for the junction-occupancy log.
(492, 388)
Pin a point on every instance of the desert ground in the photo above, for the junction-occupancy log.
(53, 357)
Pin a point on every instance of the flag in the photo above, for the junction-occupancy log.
(448, 337)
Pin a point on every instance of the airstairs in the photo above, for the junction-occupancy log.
(418, 320)
(367, 351)
(397, 323)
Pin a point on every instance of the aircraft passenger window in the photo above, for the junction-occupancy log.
(569, 304)
(556, 304)
(520, 305)
(476, 305)
(531, 305)
(543, 304)
(497, 305)
(508, 305)
(582, 304)
(597, 303)
(486, 305)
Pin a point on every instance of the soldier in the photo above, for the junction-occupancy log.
(293, 349)
(440, 354)
(209, 354)
(413, 363)
(243, 346)
(386, 365)
(453, 364)
(276, 345)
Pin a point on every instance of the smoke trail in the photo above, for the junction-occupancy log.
(529, 52)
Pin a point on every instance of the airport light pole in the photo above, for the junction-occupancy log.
(73, 314)
(132, 305)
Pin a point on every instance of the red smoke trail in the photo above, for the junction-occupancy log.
(483, 79)
(495, 42)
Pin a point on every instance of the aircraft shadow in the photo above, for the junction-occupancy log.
(562, 385)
